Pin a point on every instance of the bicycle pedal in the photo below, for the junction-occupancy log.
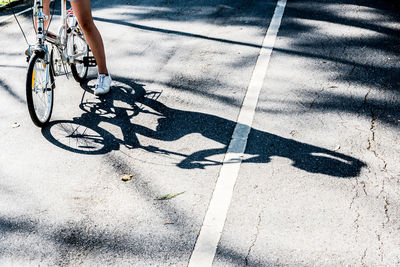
(89, 62)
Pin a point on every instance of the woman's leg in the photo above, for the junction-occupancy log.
(83, 13)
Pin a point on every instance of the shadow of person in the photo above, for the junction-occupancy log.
(173, 124)
(260, 147)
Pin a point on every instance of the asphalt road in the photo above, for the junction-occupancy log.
(319, 184)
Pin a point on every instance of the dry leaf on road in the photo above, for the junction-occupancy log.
(169, 196)
(127, 177)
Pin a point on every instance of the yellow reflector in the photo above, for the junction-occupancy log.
(33, 79)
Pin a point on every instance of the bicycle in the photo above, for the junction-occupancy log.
(68, 49)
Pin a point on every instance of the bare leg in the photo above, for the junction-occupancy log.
(83, 13)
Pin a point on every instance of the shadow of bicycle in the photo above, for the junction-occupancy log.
(85, 134)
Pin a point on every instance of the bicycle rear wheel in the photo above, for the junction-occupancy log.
(39, 90)
(78, 69)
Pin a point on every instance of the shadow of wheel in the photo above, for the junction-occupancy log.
(75, 137)
(83, 135)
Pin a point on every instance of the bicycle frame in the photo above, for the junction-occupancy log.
(40, 46)
(38, 13)
(64, 32)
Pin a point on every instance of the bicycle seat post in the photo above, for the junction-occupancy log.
(63, 21)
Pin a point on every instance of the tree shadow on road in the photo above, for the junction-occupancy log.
(85, 135)
(367, 60)
(356, 44)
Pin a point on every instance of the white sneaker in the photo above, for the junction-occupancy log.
(103, 84)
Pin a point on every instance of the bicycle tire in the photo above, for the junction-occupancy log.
(79, 75)
(56, 69)
(35, 89)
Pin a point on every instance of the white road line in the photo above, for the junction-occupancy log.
(211, 230)
(16, 14)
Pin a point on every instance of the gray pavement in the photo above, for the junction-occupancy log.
(320, 181)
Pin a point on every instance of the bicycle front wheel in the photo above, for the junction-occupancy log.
(39, 90)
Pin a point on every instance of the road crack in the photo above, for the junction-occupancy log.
(365, 100)
(385, 221)
(363, 257)
(356, 195)
(357, 224)
(246, 259)
(379, 236)
(357, 187)
(372, 146)
(371, 139)
(386, 207)
(364, 188)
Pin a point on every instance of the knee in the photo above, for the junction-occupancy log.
(87, 25)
